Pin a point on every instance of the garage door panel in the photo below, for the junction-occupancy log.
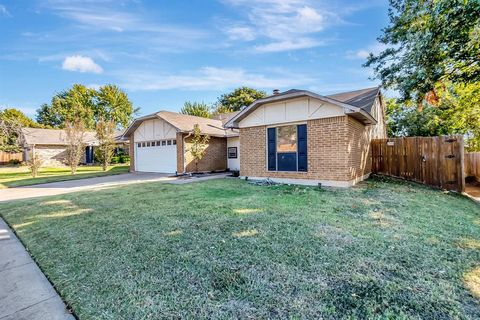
(155, 158)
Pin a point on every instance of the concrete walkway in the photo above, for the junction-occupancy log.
(56, 188)
(25, 292)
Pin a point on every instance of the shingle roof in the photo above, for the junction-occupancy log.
(35, 136)
(224, 117)
(357, 104)
(185, 123)
(362, 99)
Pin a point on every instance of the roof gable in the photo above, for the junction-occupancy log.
(359, 109)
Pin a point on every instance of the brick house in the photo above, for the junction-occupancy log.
(51, 145)
(295, 136)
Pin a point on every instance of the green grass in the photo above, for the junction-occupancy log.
(11, 177)
(227, 249)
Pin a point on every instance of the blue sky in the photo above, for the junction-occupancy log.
(163, 53)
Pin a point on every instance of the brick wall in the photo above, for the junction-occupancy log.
(215, 158)
(338, 150)
(131, 152)
(359, 147)
(51, 155)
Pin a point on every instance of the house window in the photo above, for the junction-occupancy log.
(164, 142)
(169, 142)
(139, 145)
(287, 148)
(158, 143)
(143, 144)
(232, 153)
(174, 142)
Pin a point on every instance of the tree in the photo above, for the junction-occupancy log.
(198, 145)
(12, 114)
(405, 120)
(239, 98)
(457, 111)
(199, 109)
(11, 123)
(428, 42)
(461, 107)
(75, 134)
(34, 164)
(88, 105)
(105, 131)
(113, 104)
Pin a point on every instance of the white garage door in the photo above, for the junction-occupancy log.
(156, 156)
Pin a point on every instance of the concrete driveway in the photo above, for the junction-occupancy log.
(55, 188)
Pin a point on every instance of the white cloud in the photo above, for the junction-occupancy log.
(241, 33)
(81, 64)
(4, 11)
(281, 25)
(293, 44)
(363, 53)
(211, 78)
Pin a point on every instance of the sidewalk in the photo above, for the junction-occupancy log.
(25, 292)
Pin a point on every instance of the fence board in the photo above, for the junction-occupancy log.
(5, 157)
(472, 164)
(436, 161)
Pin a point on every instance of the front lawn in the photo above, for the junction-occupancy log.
(228, 249)
(20, 176)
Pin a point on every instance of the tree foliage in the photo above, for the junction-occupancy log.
(11, 123)
(105, 132)
(198, 145)
(457, 111)
(238, 99)
(199, 109)
(428, 42)
(89, 105)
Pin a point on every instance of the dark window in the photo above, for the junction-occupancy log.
(139, 145)
(169, 142)
(164, 142)
(143, 144)
(287, 148)
(174, 142)
(158, 143)
(232, 153)
(148, 144)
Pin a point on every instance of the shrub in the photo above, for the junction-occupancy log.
(124, 159)
(115, 160)
(14, 162)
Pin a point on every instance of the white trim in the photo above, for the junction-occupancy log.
(313, 182)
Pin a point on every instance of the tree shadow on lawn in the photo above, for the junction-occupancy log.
(225, 248)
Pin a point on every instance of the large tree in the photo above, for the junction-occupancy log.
(199, 109)
(456, 111)
(88, 105)
(238, 99)
(11, 123)
(427, 42)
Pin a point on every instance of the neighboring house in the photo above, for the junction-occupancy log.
(51, 145)
(295, 137)
(160, 142)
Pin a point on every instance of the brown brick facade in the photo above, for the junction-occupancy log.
(131, 152)
(215, 158)
(337, 150)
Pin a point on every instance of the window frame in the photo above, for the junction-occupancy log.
(276, 126)
(236, 152)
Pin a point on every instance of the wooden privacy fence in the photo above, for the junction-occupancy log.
(472, 164)
(5, 157)
(436, 161)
